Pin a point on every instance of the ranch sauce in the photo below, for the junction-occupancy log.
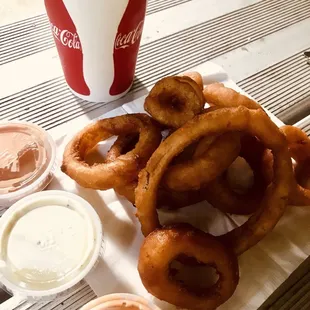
(49, 241)
(55, 242)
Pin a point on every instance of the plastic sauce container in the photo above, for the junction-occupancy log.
(120, 302)
(27, 161)
(49, 242)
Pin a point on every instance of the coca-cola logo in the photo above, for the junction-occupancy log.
(126, 40)
(67, 38)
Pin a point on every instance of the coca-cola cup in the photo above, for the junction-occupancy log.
(98, 43)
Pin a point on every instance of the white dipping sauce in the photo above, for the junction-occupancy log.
(48, 243)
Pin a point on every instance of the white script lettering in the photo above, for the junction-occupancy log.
(125, 40)
(66, 37)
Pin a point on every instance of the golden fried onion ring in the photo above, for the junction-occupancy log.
(121, 146)
(163, 246)
(209, 161)
(219, 95)
(254, 122)
(299, 148)
(126, 167)
(168, 199)
(298, 143)
(220, 194)
(174, 100)
(195, 76)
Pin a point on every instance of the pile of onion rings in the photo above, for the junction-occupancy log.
(193, 163)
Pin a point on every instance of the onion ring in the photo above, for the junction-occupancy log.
(219, 95)
(300, 193)
(192, 81)
(299, 148)
(126, 167)
(209, 161)
(163, 246)
(174, 100)
(173, 200)
(195, 76)
(298, 143)
(169, 200)
(254, 122)
(121, 146)
(221, 196)
(302, 174)
(127, 190)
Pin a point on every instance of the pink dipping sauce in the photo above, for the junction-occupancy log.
(120, 302)
(27, 158)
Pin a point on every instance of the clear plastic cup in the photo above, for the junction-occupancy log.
(120, 302)
(49, 242)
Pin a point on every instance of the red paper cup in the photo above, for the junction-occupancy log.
(98, 43)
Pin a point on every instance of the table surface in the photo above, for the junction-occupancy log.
(260, 43)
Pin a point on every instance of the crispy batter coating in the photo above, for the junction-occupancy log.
(254, 122)
(195, 76)
(162, 246)
(219, 95)
(209, 161)
(299, 148)
(221, 195)
(126, 167)
(174, 100)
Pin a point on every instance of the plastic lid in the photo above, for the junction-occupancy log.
(49, 241)
(27, 161)
(120, 302)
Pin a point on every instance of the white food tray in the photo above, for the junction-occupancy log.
(262, 269)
